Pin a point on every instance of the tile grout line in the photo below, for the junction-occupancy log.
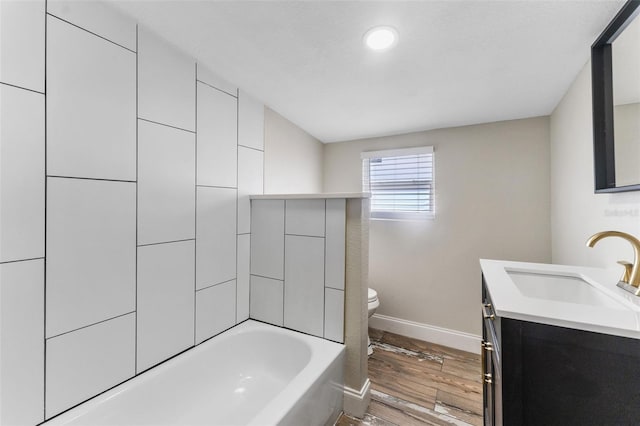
(166, 125)
(215, 285)
(324, 276)
(94, 179)
(195, 220)
(214, 87)
(135, 362)
(284, 251)
(90, 325)
(44, 369)
(166, 242)
(254, 149)
(237, 202)
(15, 86)
(22, 260)
(91, 32)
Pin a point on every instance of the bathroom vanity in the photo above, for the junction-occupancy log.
(561, 346)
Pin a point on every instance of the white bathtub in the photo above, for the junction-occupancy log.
(253, 374)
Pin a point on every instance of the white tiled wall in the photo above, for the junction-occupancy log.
(22, 44)
(215, 236)
(204, 75)
(214, 312)
(22, 211)
(89, 361)
(333, 314)
(243, 280)
(250, 182)
(304, 284)
(267, 238)
(91, 134)
(91, 255)
(251, 113)
(21, 174)
(267, 300)
(165, 301)
(144, 188)
(335, 243)
(22, 348)
(297, 264)
(166, 83)
(166, 183)
(217, 137)
(98, 18)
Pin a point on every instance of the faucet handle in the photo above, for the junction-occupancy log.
(628, 266)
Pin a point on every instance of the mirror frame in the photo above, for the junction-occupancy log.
(602, 98)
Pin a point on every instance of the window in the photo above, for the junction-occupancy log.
(400, 182)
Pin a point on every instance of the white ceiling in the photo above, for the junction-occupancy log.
(456, 63)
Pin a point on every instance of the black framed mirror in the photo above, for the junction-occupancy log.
(615, 79)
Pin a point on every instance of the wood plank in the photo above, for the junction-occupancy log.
(463, 416)
(367, 420)
(395, 415)
(428, 347)
(471, 404)
(418, 358)
(465, 370)
(418, 383)
(375, 335)
(385, 368)
(405, 413)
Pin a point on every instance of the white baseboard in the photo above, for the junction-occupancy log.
(429, 333)
(356, 401)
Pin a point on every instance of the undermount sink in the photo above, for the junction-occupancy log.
(561, 288)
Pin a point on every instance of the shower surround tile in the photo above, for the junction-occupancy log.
(98, 18)
(250, 182)
(91, 257)
(304, 284)
(334, 272)
(206, 76)
(166, 82)
(217, 137)
(305, 217)
(91, 105)
(267, 238)
(215, 310)
(244, 277)
(22, 342)
(267, 300)
(88, 361)
(215, 236)
(251, 119)
(166, 301)
(22, 43)
(22, 179)
(334, 315)
(166, 184)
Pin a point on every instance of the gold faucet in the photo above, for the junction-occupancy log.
(630, 280)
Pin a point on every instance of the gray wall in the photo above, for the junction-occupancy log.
(576, 212)
(492, 201)
(293, 158)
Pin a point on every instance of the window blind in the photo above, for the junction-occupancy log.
(400, 183)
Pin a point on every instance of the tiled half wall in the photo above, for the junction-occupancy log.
(298, 264)
(124, 208)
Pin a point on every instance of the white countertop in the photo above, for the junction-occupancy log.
(621, 317)
(310, 196)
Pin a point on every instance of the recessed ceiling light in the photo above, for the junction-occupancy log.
(381, 38)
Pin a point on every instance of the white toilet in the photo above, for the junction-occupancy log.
(373, 305)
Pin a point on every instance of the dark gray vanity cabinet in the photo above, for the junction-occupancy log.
(543, 375)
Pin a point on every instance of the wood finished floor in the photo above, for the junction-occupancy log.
(420, 383)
